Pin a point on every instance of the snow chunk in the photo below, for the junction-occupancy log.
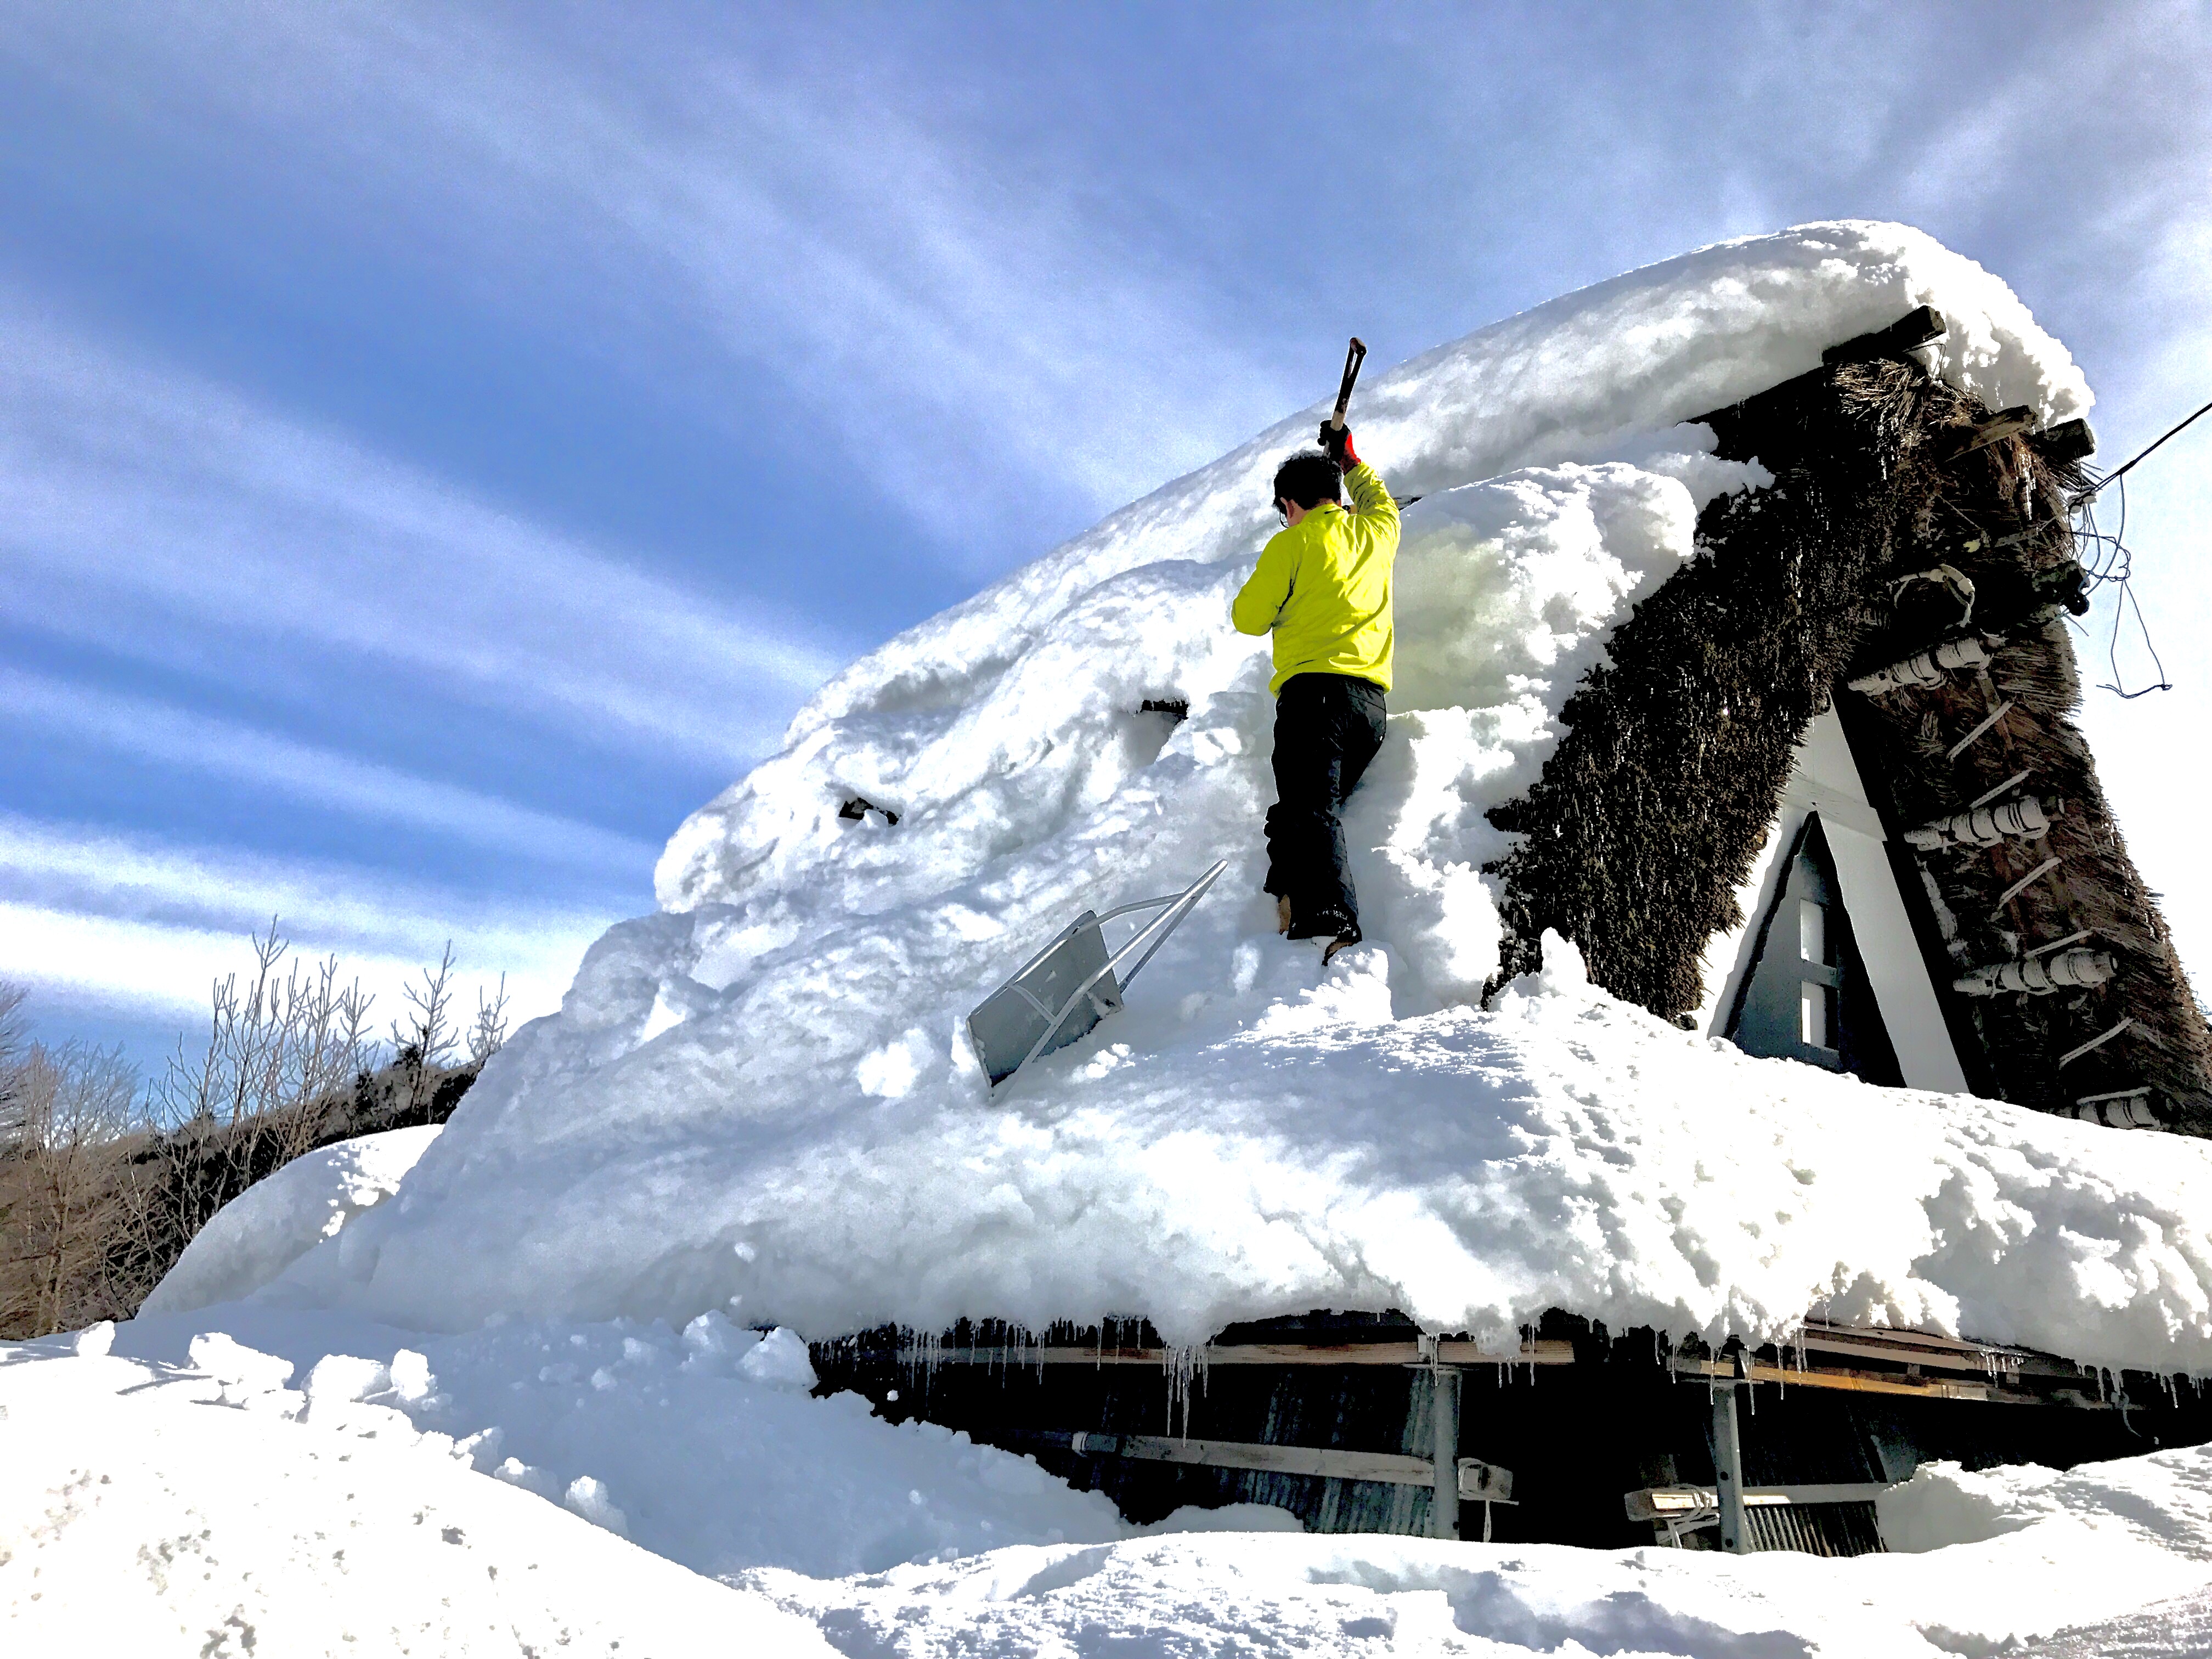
(410, 1376)
(344, 1378)
(588, 1496)
(780, 1361)
(233, 1363)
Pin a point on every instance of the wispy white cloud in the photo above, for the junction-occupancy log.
(954, 317)
(162, 973)
(316, 776)
(160, 515)
(145, 926)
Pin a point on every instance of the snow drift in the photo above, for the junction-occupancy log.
(760, 1099)
(278, 1219)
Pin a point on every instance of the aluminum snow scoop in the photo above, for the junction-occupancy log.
(1355, 355)
(1060, 993)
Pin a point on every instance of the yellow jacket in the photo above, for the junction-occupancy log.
(1323, 586)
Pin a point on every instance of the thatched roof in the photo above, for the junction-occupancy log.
(1649, 819)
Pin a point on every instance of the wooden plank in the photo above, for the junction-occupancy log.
(1822, 1376)
(2069, 441)
(1951, 1357)
(1478, 1481)
(1447, 1352)
(1391, 1466)
(1905, 1335)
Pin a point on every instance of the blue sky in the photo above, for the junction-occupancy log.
(439, 446)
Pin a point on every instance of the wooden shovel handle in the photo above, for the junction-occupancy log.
(1355, 355)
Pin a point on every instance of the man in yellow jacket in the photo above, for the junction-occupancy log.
(1322, 588)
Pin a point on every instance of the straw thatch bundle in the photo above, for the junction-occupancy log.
(1883, 519)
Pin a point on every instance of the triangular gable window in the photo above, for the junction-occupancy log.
(1808, 996)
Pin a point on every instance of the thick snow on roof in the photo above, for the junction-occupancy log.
(761, 1098)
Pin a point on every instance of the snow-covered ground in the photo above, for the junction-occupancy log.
(251, 1479)
(511, 1405)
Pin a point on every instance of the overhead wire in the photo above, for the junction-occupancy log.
(2119, 472)
(2111, 562)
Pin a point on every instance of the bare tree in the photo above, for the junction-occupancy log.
(489, 1035)
(281, 1053)
(280, 1044)
(425, 1038)
(14, 1038)
(100, 1193)
(57, 1189)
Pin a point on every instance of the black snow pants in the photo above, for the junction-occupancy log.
(1328, 727)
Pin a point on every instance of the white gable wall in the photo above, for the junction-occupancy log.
(1826, 779)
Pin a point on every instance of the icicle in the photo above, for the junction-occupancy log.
(1182, 1366)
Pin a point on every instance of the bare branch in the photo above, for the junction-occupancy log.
(489, 1035)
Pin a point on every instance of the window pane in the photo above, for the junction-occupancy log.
(1813, 1016)
(1813, 931)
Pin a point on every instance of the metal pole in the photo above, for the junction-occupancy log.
(1443, 1423)
(1727, 1467)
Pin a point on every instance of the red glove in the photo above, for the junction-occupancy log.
(1337, 440)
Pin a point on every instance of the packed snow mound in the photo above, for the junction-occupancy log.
(2165, 1495)
(703, 1445)
(763, 1099)
(281, 1218)
(151, 1510)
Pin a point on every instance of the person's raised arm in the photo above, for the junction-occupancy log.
(1370, 499)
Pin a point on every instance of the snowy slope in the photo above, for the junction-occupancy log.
(760, 1099)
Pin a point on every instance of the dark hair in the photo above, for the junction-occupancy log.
(1308, 479)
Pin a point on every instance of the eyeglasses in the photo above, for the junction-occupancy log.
(1283, 513)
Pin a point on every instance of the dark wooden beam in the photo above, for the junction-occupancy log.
(1446, 1352)
(1959, 442)
(2069, 441)
(1915, 328)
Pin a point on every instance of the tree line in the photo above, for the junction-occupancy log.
(104, 1176)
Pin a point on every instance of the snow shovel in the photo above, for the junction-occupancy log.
(1060, 993)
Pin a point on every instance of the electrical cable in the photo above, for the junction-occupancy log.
(2107, 560)
(2112, 562)
(2119, 472)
